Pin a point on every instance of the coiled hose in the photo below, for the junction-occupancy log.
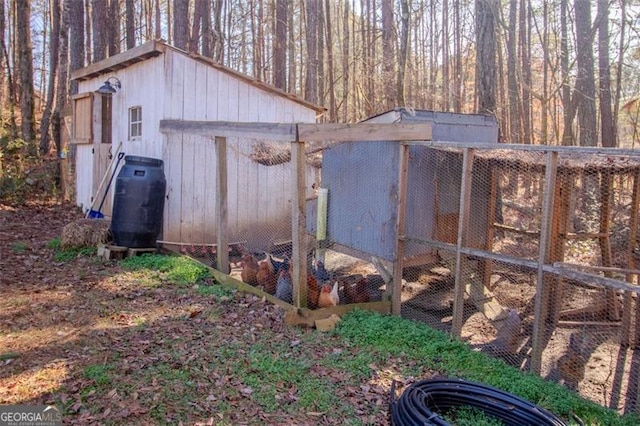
(421, 402)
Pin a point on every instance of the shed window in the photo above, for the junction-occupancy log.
(135, 122)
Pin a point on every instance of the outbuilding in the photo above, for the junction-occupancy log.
(120, 103)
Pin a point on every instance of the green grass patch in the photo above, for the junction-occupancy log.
(218, 291)
(66, 255)
(288, 376)
(19, 247)
(411, 340)
(99, 373)
(469, 416)
(176, 269)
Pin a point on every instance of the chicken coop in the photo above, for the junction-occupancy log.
(526, 252)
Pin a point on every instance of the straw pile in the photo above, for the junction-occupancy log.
(85, 233)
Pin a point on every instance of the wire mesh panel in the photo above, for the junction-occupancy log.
(536, 260)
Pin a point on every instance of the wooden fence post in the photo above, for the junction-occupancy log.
(222, 239)
(540, 314)
(298, 224)
(463, 222)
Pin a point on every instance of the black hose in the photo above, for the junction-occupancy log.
(421, 402)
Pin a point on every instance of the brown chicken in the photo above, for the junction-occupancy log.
(357, 292)
(266, 276)
(328, 296)
(249, 266)
(313, 292)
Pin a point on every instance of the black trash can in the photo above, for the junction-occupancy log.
(138, 202)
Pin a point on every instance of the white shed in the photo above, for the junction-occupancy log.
(160, 82)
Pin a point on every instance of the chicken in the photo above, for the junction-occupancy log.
(328, 296)
(284, 287)
(266, 277)
(275, 264)
(249, 266)
(313, 292)
(319, 272)
(357, 292)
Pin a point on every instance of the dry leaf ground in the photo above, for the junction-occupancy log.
(117, 347)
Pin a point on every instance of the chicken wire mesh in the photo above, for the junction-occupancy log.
(528, 255)
(544, 261)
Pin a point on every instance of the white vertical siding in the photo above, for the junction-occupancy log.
(175, 86)
(84, 175)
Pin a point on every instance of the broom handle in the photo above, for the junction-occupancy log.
(104, 178)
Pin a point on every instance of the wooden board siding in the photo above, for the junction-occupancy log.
(199, 92)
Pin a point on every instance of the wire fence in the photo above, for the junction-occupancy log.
(528, 253)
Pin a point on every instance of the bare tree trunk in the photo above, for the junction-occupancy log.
(311, 74)
(607, 123)
(3, 28)
(207, 30)
(180, 23)
(525, 60)
(54, 34)
(512, 83)
(76, 39)
(158, 28)
(445, 55)
(280, 46)
(458, 80)
(291, 83)
(486, 62)
(388, 55)
(567, 101)
(585, 79)
(433, 42)
(130, 24)
(320, 38)
(218, 36)
(544, 113)
(198, 14)
(10, 79)
(332, 89)
(113, 41)
(25, 60)
(404, 52)
(623, 27)
(62, 94)
(88, 30)
(256, 10)
(100, 29)
(345, 61)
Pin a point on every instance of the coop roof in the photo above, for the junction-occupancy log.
(158, 47)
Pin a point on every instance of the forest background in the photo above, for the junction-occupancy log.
(553, 72)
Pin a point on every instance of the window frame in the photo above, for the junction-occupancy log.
(137, 124)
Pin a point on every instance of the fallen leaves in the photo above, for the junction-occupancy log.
(175, 354)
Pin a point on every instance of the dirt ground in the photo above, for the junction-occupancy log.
(607, 373)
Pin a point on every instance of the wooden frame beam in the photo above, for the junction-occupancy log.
(288, 132)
